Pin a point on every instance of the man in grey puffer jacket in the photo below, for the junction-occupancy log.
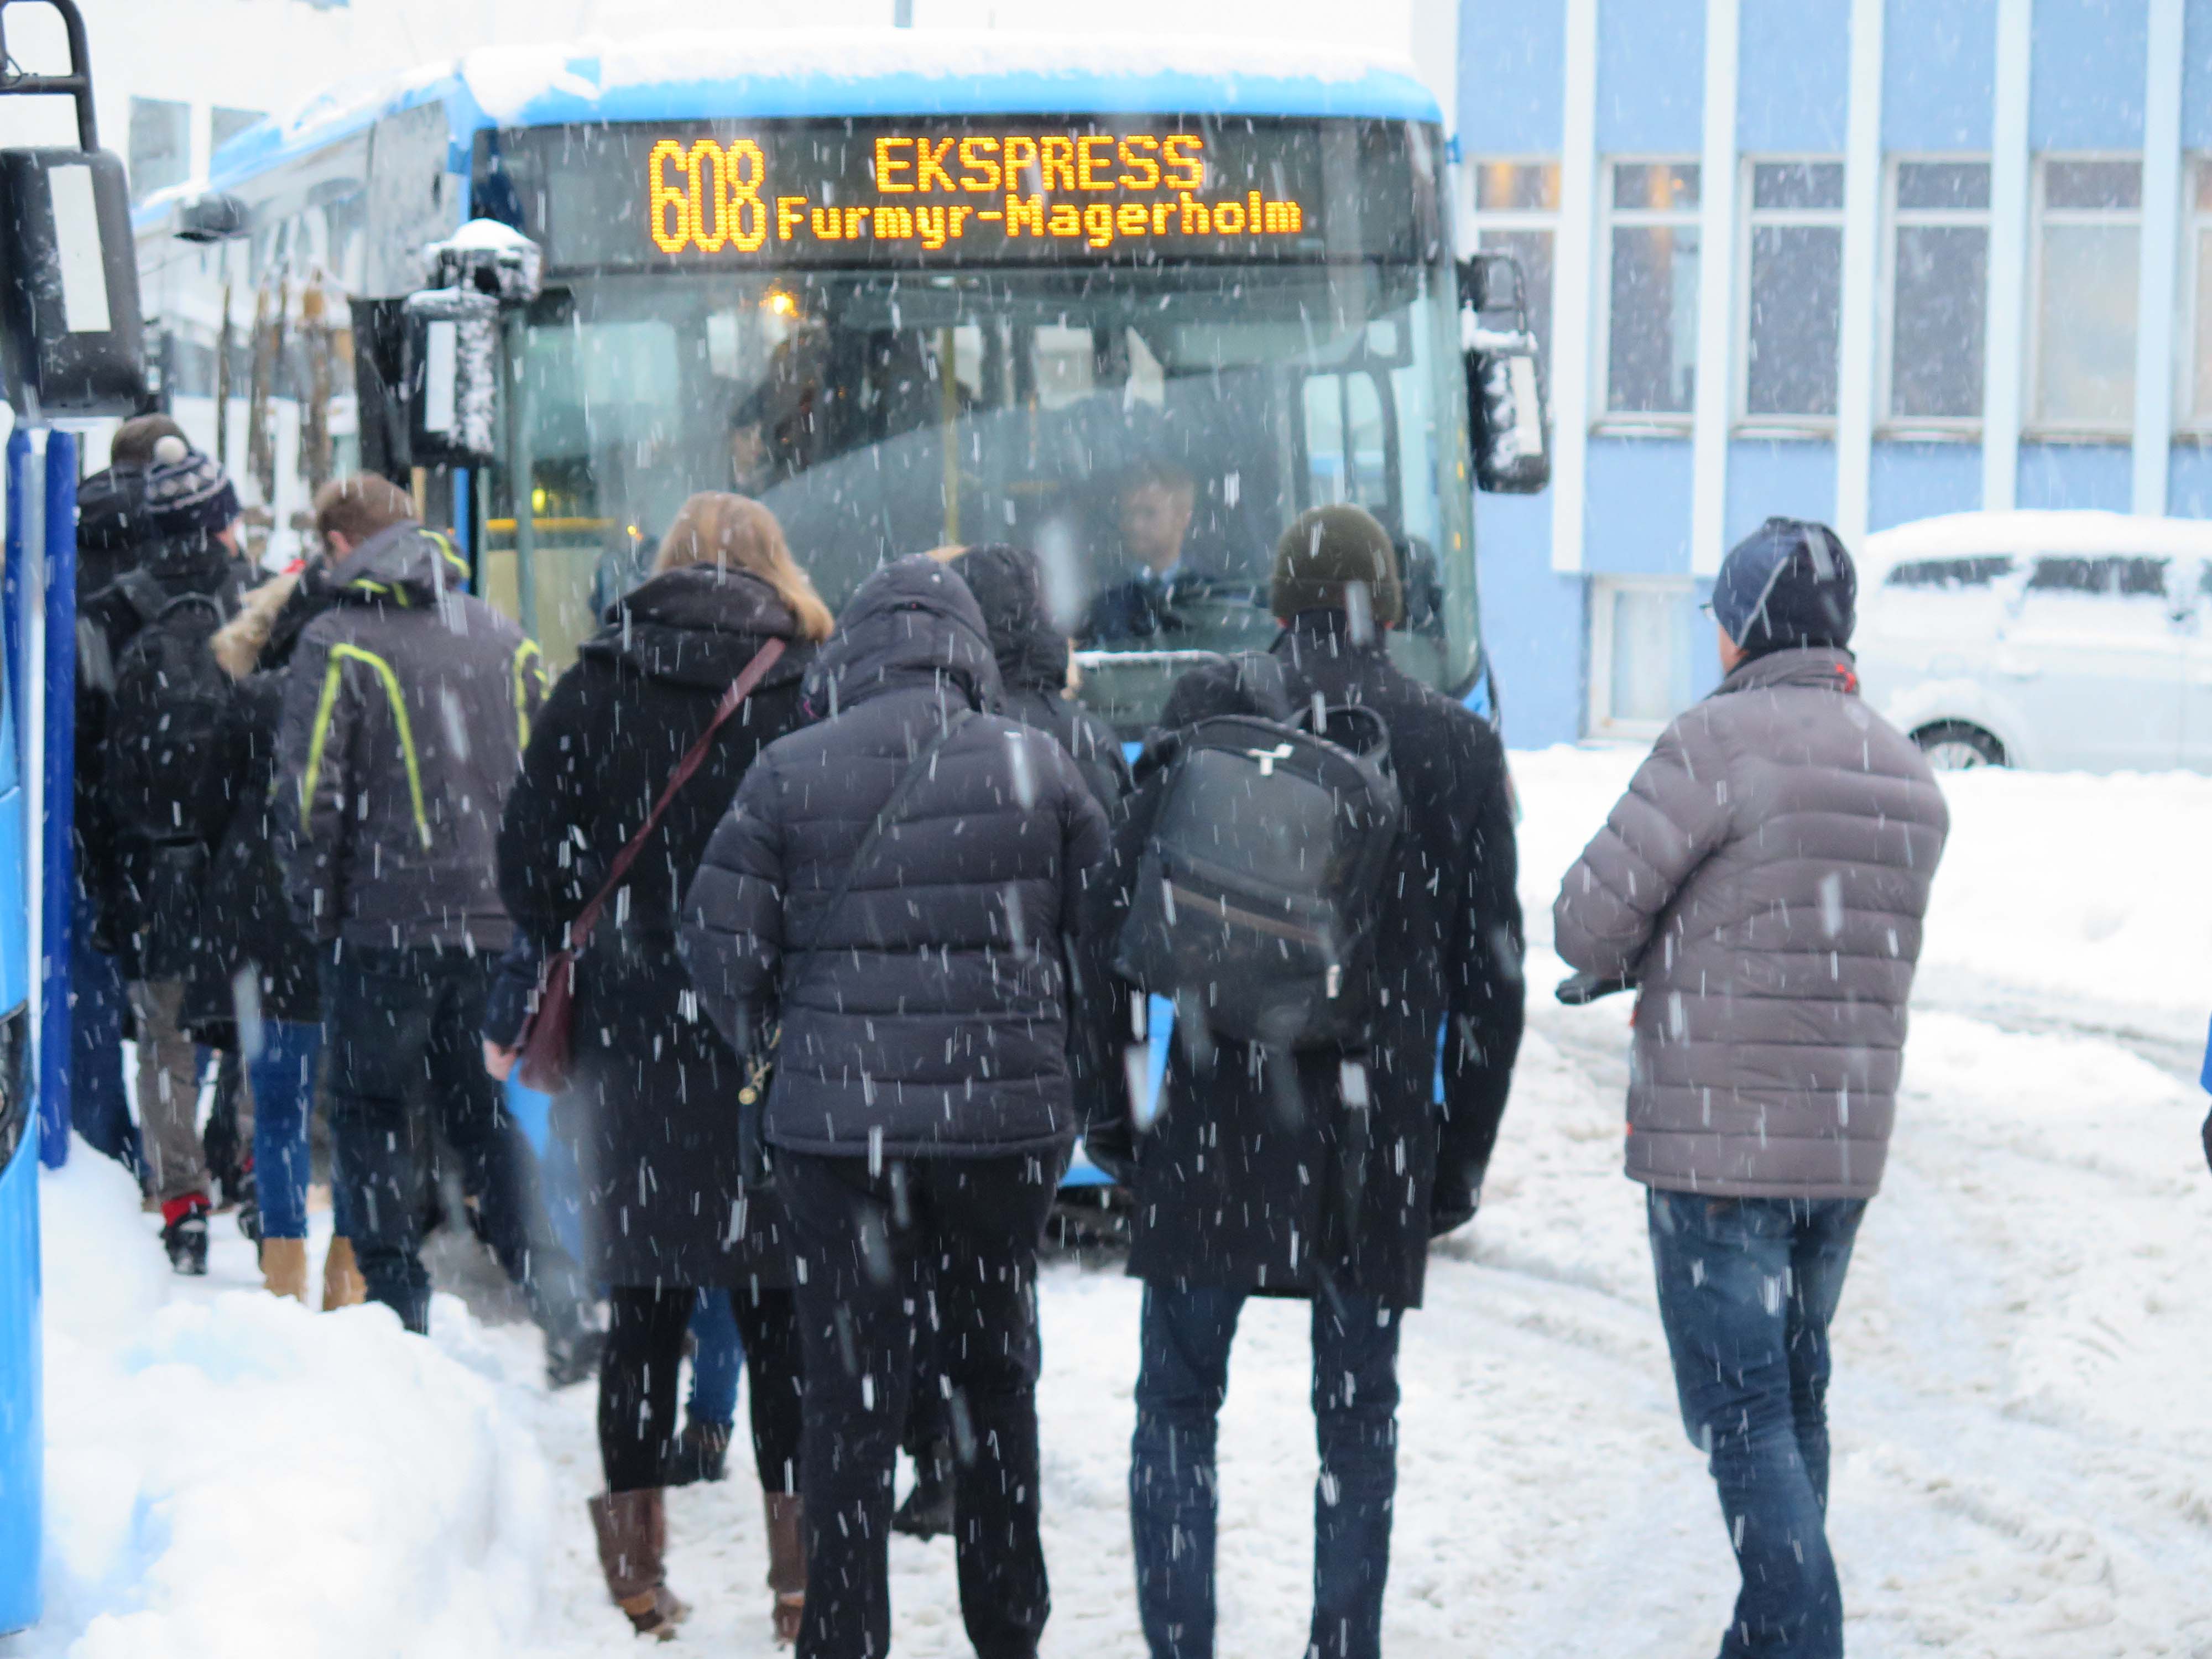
(1762, 886)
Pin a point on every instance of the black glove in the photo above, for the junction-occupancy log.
(1111, 1144)
(1580, 988)
(1452, 1203)
(2208, 1139)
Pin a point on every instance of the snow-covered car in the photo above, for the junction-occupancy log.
(2054, 641)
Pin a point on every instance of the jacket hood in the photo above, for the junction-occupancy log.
(913, 626)
(404, 565)
(697, 627)
(238, 644)
(271, 618)
(1818, 667)
(1009, 589)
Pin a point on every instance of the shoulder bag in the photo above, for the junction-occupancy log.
(546, 1035)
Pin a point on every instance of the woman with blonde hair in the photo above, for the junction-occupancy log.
(705, 655)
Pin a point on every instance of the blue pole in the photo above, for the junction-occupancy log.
(56, 850)
(11, 604)
(22, 1429)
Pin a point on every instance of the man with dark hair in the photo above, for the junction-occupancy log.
(1762, 885)
(405, 710)
(144, 853)
(1251, 1179)
(112, 536)
(1154, 505)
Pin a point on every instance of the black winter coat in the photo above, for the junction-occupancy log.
(652, 1102)
(116, 866)
(930, 1017)
(247, 919)
(1237, 1184)
(1032, 658)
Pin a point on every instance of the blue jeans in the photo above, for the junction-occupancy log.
(1182, 1379)
(1747, 1288)
(100, 1108)
(283, 1079)
(719, 1357)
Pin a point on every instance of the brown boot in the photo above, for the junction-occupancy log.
(342, 1284)
(632, 1528)
(787, 1564)
(284, 1267)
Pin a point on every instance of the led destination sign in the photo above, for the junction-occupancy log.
(890, 193)
(1095, 188)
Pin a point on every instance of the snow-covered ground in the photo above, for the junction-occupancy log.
(2024, 1451)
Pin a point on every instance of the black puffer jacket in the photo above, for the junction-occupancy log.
(1032, 657)
(247, 919)
(930, 1017)
(652, 1105)
(1238, 1185)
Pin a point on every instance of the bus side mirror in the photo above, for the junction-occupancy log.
(1510, 427)
(70, 336)
(453, 334)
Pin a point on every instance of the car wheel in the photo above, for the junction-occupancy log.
(1955, 746)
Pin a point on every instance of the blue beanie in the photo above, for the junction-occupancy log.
(1788, 583)
(188, 499)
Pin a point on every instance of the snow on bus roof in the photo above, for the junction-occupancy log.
(694, 73)
(1965, 535)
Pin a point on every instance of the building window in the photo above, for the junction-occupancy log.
(161, 145)
(2197, 388)
(1652, 296)
(1793, 299)
(1516, 210)
(225, 125)
(2088, 240)
(1640, 633)
(1939, 261)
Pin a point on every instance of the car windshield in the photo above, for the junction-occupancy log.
(1149, 431)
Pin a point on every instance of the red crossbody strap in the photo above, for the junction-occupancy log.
(580, 931)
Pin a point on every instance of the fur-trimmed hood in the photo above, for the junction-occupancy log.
(238, 644)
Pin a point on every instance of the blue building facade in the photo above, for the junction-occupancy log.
(1858, 260)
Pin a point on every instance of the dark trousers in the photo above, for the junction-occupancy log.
(1182, 1379)
(99, 1109)
(637, 1382)
(1746, 1289)
(402, 1029)
(950, 1244)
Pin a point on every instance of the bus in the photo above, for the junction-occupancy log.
(1133, 306)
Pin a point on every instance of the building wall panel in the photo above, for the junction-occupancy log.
(1939, 75)
(2076, 475)
(1795, 76)
(2087, 90)
(1512, 73)
(1637, 521)
(1651, 77)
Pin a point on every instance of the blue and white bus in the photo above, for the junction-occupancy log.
(1133, 306)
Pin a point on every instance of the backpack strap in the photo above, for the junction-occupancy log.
(1260, 674)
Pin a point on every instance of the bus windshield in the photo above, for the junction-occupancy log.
(1149, 426)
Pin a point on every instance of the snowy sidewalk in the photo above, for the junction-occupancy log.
(2023, 1453)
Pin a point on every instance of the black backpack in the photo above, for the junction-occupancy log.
(1260, 882)
(166, 774)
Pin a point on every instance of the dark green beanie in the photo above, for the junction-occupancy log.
(1324, 551)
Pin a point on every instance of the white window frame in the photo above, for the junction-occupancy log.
(2196, 225)
(1603, 417)
(1598, 721)
(2034, 426)
(1479, 219)
(1887, 424)
(1747, 219)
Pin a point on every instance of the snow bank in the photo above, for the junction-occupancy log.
(2093, 889)
(226, 1472)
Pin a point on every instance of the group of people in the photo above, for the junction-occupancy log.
(274, 862)
(823, 923)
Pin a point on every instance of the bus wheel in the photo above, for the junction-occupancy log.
(1957, 746)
